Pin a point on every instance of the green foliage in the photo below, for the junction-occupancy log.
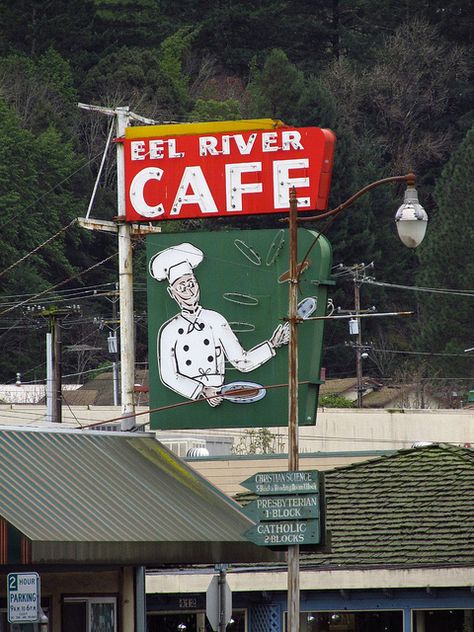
(212, 110)
(392, 80)
(276, 88)
(447, 262)
(172, 52)
(335, 401)
(138, 77)
(40, 90)
(256, 441)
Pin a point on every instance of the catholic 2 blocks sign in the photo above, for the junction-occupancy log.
(226, 174)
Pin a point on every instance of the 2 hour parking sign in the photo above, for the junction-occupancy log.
(23, 597)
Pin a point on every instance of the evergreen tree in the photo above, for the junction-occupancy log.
(276, 89)
(447, 262)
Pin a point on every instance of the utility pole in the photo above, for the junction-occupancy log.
(124, 230)
(56, 407)
(293, 448)
(360, 389)
(54, 398)
(127, 329)
(357, 272)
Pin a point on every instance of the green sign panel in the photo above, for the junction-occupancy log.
(269, 483)
(283, 508)
(218, 338)
(285, 533)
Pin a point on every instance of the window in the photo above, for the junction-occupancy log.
(342, 621)
(443, 620)
(192, 622)
(89, 614)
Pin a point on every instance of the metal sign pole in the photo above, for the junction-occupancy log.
(221, 601)
(293, 455)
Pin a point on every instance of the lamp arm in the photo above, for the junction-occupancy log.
(409, 178)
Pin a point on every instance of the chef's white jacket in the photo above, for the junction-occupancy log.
(192, 350)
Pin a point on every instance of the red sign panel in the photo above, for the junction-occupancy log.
(227, 174)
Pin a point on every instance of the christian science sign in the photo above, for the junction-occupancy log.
(226, 174)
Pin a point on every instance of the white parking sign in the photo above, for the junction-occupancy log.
(23, 597)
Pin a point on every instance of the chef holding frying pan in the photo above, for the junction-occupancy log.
(194, 345)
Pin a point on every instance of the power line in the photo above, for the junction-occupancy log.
(421, 353)
(50, 190)
(65, 291)
(433, 290)
(53, 287)
(32, 252)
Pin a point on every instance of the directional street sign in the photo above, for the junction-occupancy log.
(286, 510)
(283, 508)
(285, 533)
(23, 597)
(269, 483)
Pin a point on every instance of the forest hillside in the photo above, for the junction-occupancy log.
(393, 80)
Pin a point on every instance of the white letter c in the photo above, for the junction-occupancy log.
(136, 192)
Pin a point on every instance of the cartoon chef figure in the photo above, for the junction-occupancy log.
(194, 344)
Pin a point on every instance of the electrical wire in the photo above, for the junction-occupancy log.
(422, 353)
(32, 252)
(433, 290)
(53, 287)
(65, 291)
(57, 299)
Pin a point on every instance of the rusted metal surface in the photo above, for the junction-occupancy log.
(409, 178)
(293, 342)
(293, 449)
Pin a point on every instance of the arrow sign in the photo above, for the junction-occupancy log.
(270, 483)
(283, 508)
(285, 533)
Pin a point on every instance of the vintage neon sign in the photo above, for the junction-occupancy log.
(227, 174)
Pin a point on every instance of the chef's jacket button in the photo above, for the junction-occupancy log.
(206, 341)
(201, 326)
(186, 347)
(210, 359)
(188, 362)
(180, 331)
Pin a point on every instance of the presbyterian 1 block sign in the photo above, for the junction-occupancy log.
(227, 174)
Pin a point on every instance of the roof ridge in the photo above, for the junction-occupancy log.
(465, 453)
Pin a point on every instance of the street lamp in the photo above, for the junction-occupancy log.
(411, 221)
(411, 218)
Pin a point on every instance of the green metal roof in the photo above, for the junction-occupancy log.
(113, 497)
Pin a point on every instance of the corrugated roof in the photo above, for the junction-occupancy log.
(410, 508)
(76, 487)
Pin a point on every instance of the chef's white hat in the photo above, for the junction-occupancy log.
(175, 261)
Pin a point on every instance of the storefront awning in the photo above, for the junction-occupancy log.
(97, 497)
